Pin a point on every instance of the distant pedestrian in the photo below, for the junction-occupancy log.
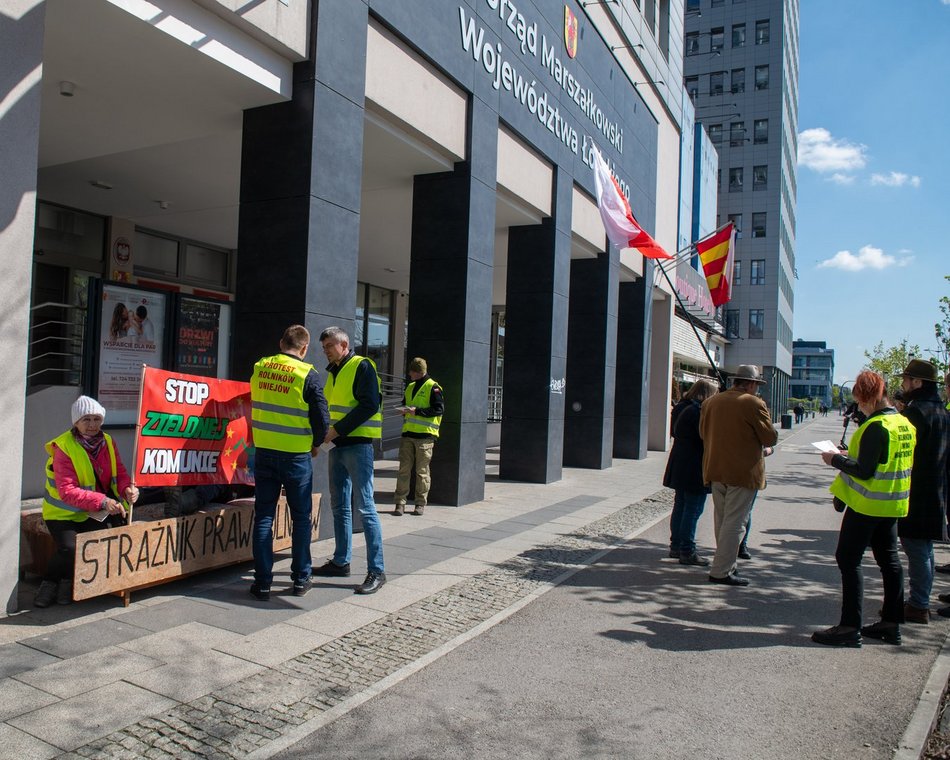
(422, 417)
(289, 421)
(734, 425)
(799, 413)
(355, 399)
(873, 491)
(684, 473)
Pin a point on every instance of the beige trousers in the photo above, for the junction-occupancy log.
(414, 452)
(731, 508)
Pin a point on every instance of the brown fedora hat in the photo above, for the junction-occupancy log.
(748, 373)
(921, 370)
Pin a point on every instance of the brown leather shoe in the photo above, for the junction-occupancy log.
(914, 614)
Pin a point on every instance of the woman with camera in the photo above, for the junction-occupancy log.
(873, 490)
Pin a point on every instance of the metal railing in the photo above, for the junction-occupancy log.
(494, 403)
(57, 336)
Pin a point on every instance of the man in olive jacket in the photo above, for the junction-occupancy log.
(734, 426)
(926, 519)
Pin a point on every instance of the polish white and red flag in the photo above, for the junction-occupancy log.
(622, 229)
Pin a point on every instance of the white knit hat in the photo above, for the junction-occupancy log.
(85, 405)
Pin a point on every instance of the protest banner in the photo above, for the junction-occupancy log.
(148, 552)
(193, 431)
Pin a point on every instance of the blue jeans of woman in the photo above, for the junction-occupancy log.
(351, 478)
(687, 508)
(273, 469)
(920, 570)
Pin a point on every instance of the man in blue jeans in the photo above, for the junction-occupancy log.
(356, 421)
(289, 420)
(926, 520)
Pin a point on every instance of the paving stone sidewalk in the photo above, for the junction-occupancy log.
(199, 669)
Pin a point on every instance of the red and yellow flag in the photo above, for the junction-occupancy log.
(716, 253)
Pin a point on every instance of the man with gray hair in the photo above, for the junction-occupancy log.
(356, 422)
(735, 426)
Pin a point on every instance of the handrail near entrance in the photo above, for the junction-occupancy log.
(57, 336)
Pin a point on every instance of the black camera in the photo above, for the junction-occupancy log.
(853, 414)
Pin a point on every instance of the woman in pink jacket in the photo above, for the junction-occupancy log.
(87, 489)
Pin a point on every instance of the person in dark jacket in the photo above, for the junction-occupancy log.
(926, 519)
(684, 473)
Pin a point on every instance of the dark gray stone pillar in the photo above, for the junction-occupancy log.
(301, 172)
(634, 328)
(450, 286)
(592, 361)
(301, 176)
(536, 304)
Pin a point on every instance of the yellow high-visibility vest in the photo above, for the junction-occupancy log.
(54, 508)
(340, 398)
(887, 492)
(280, 418)
(422, 398)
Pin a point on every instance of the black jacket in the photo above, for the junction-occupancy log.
(684, 468)
(927, 518)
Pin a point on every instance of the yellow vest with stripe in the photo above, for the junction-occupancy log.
(887, 492)
(54, 508)
(280, 418)
(422, 398)
(340, 398)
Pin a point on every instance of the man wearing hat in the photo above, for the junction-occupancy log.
(926, 519)
(735, 426)
(422, 415)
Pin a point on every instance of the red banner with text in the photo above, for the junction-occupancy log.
(193, 431)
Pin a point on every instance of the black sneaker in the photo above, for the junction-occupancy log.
(373, 583)
(302, 587)
(744, 553)
(46, 594)
(260, 592)
(332, 570)
(838, 636)
(883, 630)
(693, 559)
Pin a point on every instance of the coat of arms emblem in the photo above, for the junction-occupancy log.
(570, 32)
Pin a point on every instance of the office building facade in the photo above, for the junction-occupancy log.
(813, 371)
(741, 72)
(418, 173)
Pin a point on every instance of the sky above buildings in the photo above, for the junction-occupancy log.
(873, 175)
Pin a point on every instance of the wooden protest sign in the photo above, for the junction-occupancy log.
(149, 552)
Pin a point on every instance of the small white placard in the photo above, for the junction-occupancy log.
(826, 446)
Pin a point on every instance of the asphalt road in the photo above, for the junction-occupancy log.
(640, 657)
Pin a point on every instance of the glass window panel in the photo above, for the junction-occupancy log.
(762, 32)
(715, 82)
(155, 255)
(359, 344)
(715, 132)
(760, 130)
(692, 87)
(716, 38)
(757, 272)
(756, 323)
(760, 177)
(736, 272)
(758, 225)
(736, 133)
(206, 265)
(762, 77)
(738, 35)
(735, 180)
(378, 327)
(738, 80)
(692, 43)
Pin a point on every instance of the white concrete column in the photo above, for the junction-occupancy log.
(21, 75)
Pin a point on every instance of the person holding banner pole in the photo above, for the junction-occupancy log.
(289, 420)
(85, 479)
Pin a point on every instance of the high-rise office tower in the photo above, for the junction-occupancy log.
(741, 71)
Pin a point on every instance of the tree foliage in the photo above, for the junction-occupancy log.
(942, 333)
(891, 361)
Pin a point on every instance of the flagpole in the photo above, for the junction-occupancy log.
(692, 323)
